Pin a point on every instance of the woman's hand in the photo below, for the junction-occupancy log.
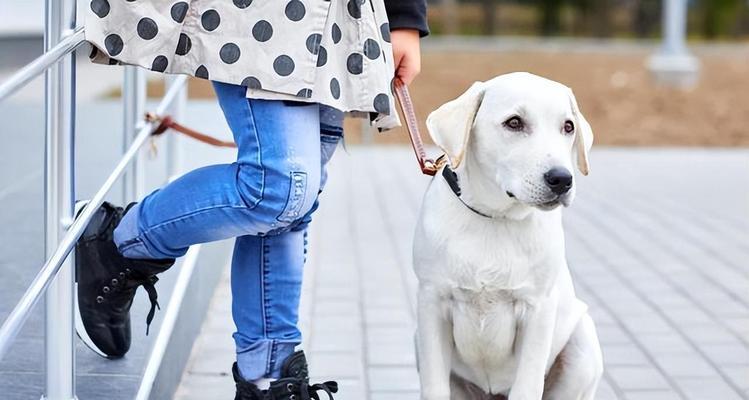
(406, 53)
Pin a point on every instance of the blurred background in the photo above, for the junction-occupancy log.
(658, 239)
(633, 19)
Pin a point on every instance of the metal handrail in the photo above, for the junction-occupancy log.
(13, 324)
(37, 67)
(62, 229)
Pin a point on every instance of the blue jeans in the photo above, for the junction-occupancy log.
(265, 200)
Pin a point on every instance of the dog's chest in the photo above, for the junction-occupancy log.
(499, 260)
(485, 328)
(492, 278)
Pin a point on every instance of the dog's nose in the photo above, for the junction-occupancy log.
(559, 180)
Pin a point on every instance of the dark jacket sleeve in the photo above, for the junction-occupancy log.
(408, 14)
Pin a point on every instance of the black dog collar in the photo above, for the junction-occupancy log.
(452, 180)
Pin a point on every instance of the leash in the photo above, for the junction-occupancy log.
(166, 122)
(427, 165)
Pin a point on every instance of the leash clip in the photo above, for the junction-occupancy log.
(427, 165)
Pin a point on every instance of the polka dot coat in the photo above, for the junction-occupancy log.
(333, 52)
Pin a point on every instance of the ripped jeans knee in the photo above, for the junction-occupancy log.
(285, 196)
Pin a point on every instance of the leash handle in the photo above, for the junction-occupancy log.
(428, 166)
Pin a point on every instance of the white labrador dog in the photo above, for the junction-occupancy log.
(497, 312)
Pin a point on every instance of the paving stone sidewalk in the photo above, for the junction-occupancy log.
(658, 243)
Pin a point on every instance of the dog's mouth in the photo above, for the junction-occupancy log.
(549, 205)
(546, 204)
(553, 203)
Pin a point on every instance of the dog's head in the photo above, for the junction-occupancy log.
(522, 133)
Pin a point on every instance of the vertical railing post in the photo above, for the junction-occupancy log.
(60, 19)
(673, 65)
(172, 142)
(134, 99)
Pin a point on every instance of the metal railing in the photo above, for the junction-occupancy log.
(56, 277)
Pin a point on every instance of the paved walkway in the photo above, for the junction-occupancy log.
(658, 242)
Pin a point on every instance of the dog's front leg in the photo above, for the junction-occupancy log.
(536, 331)
(434, 345)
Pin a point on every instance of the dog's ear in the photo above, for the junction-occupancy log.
(583, 137)
(450, 125)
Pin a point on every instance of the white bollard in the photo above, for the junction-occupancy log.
(673, 65)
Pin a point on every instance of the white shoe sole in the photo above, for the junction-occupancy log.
(79, 328)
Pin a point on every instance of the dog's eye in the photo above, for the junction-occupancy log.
(514, 124)
(569, 127)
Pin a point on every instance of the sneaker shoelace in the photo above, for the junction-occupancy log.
(153, 297)
(124, 288)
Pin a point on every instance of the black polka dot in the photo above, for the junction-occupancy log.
(252, 83)
(114, 44)
(100, 8)
(159, 64)
(202, 72)
(283, 65)
(354, 8)
(179, 10)
(382, 103)
(304, 93)
(210, 20)
(335, 88)
(322, 57)
(242, 3)
(147, 28)
(371, 49)
(229, 53)
(336, 33)
(385, 31)
(313, 42)
(295, 10)
(354, 63)
(184, 45)
(112, 61)
(262, 31)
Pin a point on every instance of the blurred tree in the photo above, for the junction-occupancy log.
(451, 16)
(489, 8)
(719, 17)
(742, 26)
(646, 17)
(550, 11)
(593, 17)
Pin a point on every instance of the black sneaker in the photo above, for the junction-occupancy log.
(294, 382)
(245, 390)
(106, 283)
